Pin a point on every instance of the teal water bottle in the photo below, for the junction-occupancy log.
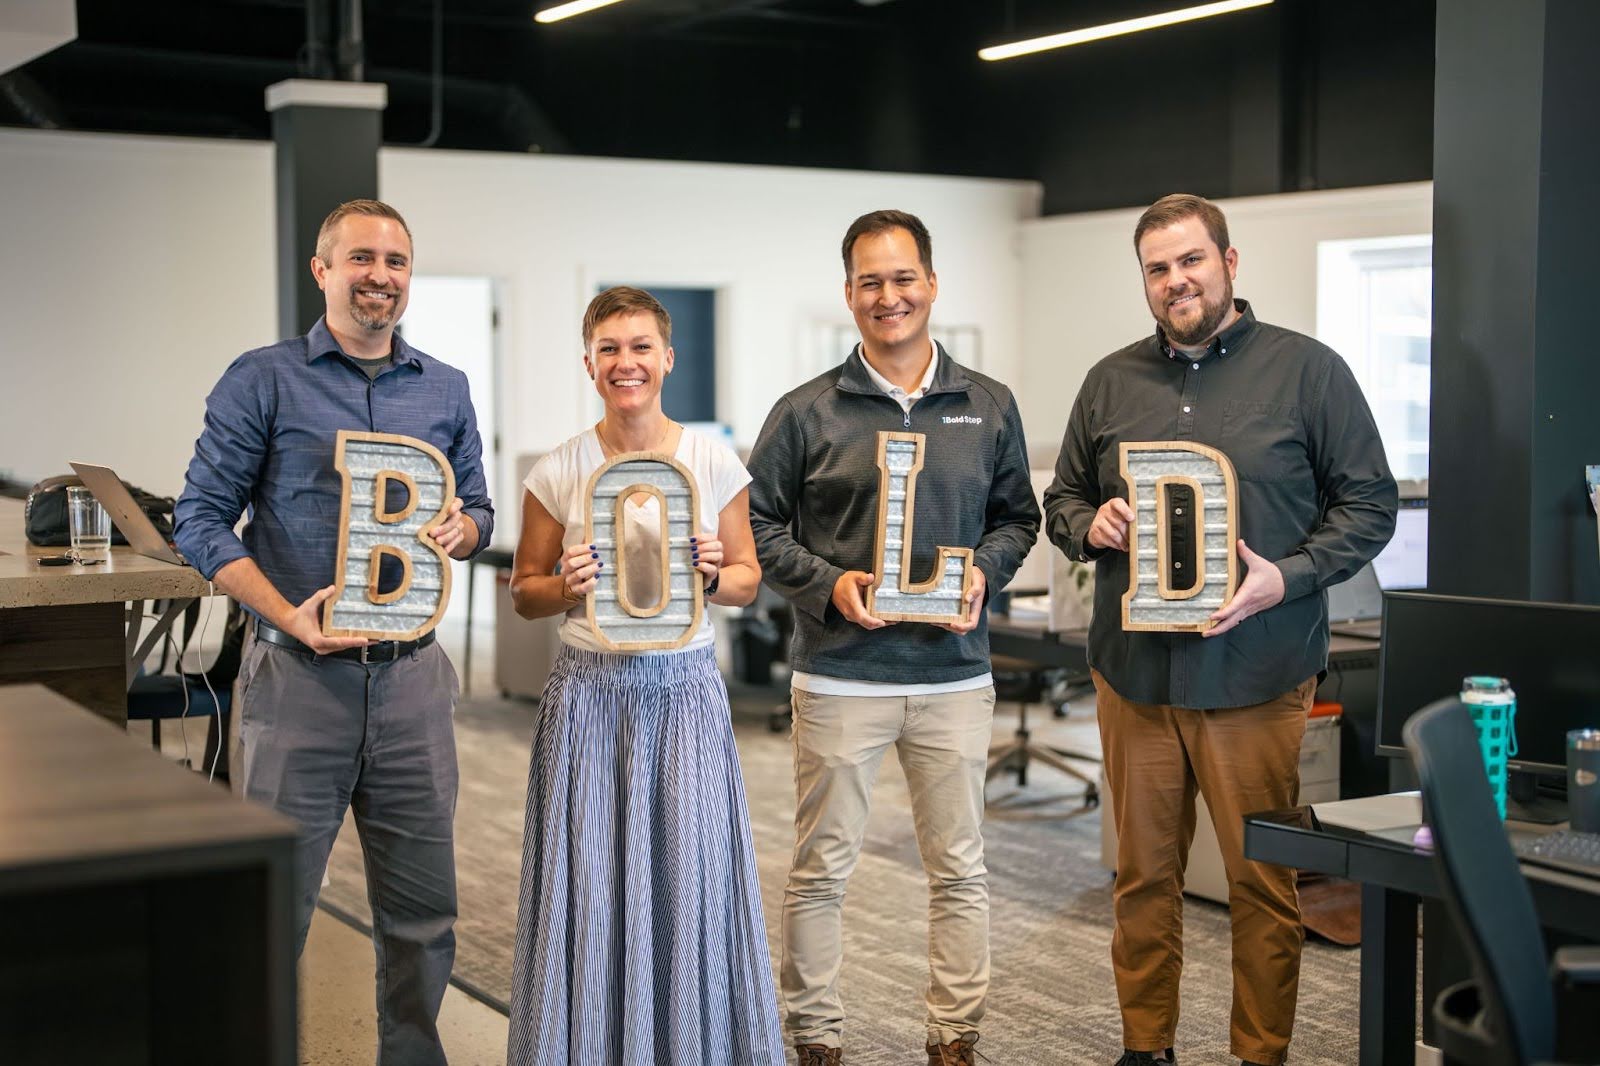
(1493, 707)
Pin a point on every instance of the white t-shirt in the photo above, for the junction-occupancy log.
(558, 480)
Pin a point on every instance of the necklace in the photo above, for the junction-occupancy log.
(604, 444)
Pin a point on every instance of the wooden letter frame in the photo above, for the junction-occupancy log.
(906, 586)
(1139, 569)
(612, 575)
(401, 548)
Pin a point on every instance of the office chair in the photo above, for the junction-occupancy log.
(1506, 1015)
(156, 697)
(1026, 683)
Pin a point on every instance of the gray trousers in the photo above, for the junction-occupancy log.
(318, 736)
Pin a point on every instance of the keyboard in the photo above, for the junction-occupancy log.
(1564, 849)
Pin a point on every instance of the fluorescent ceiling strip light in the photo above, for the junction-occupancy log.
(565, 11)
(1116, 29)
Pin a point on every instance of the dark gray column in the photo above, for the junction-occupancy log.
(327, 135)
(1516, 373)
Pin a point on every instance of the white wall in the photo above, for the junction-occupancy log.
(134, 269)
(550, 229)
(1082, 297)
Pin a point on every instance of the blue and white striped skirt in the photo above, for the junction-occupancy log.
(639, 932)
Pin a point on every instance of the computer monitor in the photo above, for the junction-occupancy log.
(1403, 563)
(1358, 599)
(1550, 652)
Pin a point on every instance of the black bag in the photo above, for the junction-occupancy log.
(45, 516)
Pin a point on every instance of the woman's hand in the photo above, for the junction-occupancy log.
(579, 566)
(706, 551)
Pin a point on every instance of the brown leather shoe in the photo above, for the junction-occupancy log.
(817, 1055)
(958, 1053)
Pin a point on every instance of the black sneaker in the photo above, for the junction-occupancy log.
(1145, 1058)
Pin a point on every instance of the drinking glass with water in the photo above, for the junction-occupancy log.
(89, 526)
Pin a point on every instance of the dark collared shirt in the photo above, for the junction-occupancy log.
(268, 443)
(1315, 496)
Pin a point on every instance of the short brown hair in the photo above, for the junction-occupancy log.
(882, 222)
(374, 208)
(1170, 210)
(625, 300)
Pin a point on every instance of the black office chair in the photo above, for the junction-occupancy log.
(1507, 1015)
(156, 697)
(1027, 683)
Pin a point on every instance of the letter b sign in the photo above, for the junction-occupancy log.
(373, 528)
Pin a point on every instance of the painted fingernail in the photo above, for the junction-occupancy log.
(697, 557)
(594, 555)
(599, 566)
(693, 539)
(591, 547)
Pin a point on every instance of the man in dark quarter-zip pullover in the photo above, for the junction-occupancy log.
(861, 684)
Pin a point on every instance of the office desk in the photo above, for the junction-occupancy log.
(1030, 640)
(79, 629)
(495, 559)
(145, 915)
(1369, 841)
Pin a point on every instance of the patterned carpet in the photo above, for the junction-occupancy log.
(1052, 1000)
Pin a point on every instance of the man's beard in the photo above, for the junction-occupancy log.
(373, 320)
(1211, 316)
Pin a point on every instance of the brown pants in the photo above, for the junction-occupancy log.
(1242, 759)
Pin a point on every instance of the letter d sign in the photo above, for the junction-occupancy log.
(374, 466)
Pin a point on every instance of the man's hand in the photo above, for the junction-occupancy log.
(453, 530)
(1262, 588)
(1110, 526)
(973, 604)
(847, 598)
(578, 569)
(305, 625)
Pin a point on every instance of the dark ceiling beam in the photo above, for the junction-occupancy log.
(799, 18)
(733, 8)
(522, 122)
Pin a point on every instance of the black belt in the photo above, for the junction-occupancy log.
(384, 651)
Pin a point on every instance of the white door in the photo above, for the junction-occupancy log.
(453, 320)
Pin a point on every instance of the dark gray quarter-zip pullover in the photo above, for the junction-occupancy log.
(814, 506)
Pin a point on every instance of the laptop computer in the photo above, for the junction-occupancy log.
(135, 525)
(1355, 606)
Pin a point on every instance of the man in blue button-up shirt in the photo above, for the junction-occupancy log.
(330, 724)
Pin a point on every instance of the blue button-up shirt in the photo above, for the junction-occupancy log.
(268, 444)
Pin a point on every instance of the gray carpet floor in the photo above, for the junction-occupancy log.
(1052, 1001)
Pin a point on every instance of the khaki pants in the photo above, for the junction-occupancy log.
(1242, 760)
(839, 742)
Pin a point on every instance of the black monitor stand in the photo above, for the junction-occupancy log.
(1527, 801)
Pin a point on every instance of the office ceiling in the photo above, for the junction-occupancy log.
(866, 84)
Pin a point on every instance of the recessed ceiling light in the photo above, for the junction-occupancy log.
(1116, 29)
(575, 7)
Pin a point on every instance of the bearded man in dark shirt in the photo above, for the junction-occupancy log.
(1221, 713)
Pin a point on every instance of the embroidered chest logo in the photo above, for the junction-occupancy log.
(962, 420)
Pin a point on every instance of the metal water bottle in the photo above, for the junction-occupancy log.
(1493, 707)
